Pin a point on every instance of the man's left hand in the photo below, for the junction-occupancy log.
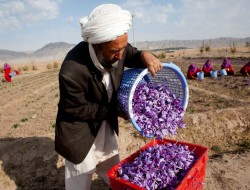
(151, 62)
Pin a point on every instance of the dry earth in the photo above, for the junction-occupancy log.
(218, 116)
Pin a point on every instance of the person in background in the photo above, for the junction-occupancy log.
(89, 78)
(17, 72)
(226, 64)
(14, 73)
(192, 71)
(207, 68)
(245, 70)
(7, 70)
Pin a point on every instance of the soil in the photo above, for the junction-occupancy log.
(217, 116)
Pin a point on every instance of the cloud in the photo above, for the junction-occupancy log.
(212, 18)
(135, 4)
(189, 19)
(148, 12)
(15, 13)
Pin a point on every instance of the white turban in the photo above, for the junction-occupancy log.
(105, 23)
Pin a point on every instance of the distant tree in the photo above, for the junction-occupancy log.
(25, 68)
(207, 48)
(55, 65)
(233, 47)
(49, 66)
(202, 48)
(162, 55)
(248, 45)
(34, 67)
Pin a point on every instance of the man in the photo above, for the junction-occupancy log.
(89, 78)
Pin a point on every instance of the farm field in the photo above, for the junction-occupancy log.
(217, 116)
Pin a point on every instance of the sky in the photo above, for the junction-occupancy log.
(28, 25)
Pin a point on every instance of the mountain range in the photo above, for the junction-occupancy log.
(57, 51)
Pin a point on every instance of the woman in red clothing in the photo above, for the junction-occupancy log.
(245, 70)
(192, 71)
(207, 68)
(7, 69)
(227, 66)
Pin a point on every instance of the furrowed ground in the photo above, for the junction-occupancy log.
(217, 116)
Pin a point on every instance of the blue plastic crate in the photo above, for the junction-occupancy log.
(171, 75)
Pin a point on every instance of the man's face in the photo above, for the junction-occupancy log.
(112, 51)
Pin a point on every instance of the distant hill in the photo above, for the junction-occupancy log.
(50, 52)
(7, 54)
(53, 49)
(57, 51)
(193, 44)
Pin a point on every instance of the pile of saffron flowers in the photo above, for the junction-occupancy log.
(156, 110)
(162, 166)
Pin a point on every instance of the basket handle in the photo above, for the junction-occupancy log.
(172, 65)
(146, 78)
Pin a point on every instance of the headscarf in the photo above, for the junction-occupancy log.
(192, 68)
(247, 65)
(105, 23)
(208, 65)
(6, 66)
(226, 63)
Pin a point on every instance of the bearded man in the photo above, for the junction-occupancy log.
(90, 75)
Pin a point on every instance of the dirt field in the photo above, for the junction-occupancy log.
(218, 116)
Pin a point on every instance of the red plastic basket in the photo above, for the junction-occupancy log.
(194, 179)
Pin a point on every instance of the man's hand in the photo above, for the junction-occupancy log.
(151, 62)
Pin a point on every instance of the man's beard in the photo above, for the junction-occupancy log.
(108, 66)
